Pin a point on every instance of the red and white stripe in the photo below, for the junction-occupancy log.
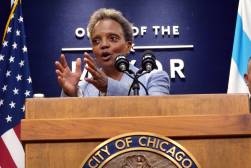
(12, 152)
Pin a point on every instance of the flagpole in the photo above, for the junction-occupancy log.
(8, 22)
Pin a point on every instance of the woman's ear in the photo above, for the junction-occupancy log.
(129, 46)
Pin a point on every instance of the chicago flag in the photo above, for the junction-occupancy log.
(241, 49)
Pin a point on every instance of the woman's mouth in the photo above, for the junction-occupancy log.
(106, 56)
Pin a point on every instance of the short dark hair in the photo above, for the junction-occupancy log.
(104, 13)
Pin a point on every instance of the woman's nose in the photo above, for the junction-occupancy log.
(105, 44)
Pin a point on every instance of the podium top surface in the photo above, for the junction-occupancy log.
(123, 106)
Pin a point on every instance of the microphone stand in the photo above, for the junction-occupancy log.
(122, 64)
(136, 83)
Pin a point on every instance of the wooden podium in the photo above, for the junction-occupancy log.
(215, 128)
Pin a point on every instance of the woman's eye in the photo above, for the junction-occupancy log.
(95, 41)
(114, 38)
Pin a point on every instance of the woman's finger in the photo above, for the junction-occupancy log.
(63, 61)
(90, 61)
(94, 72)
(59, 73)
(59, 66)
(78, 65)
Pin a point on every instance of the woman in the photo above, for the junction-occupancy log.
(110, 35)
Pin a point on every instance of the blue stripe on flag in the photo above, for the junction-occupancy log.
(242, 47)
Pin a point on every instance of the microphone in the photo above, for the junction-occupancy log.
(121, 63)
(148, 61)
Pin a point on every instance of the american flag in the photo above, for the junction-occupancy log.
(15, 86)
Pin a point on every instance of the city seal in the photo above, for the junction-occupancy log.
(140, 150)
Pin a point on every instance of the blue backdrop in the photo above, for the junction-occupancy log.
(4, 12)
(208, 25)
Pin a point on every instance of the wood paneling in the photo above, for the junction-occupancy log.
(215, 128)
(210, 153)
(136, 106)
(171, 126)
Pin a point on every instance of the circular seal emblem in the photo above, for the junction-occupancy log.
(140, 150)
